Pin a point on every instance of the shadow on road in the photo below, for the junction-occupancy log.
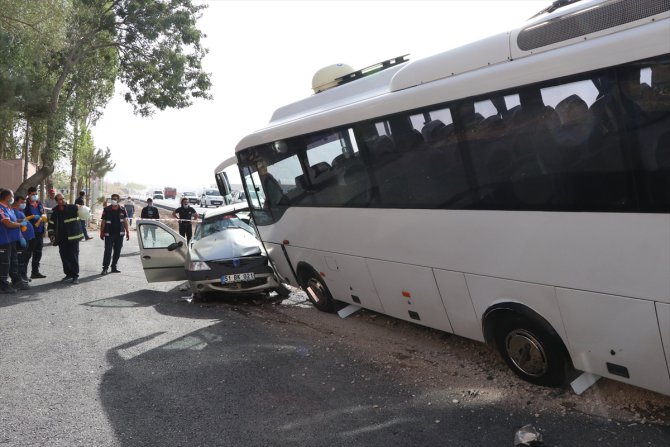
(244, 382)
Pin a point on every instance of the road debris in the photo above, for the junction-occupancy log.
(528, 436)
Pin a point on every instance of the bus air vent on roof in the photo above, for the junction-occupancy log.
(590, 20)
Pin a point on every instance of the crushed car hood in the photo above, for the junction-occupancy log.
(230, 243)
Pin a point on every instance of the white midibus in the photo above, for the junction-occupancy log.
(514, 191)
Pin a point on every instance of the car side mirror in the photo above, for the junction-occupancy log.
(175, 245)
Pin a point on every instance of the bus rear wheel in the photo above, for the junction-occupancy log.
(318, 293)
(533, 351)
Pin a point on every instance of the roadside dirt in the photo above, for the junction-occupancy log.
(451, 367)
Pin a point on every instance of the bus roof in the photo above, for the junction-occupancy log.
(564, 27)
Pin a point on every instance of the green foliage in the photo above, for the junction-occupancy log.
(161, 54)
(59, 60)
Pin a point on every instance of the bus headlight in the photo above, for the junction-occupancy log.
(198, 266)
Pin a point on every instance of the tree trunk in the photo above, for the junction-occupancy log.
(34, 179)
(75, 140)
(26, 153)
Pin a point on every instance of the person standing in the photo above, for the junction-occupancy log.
(113, 225)
(65, 232)
(130, 211)
(50, 203)
(38, 219)
(185, 213)
(81, 201)
(24, 248)
(10, 234)
(149, 212)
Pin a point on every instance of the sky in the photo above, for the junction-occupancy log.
(263, 54)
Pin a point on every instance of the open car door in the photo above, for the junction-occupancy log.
(162, 250)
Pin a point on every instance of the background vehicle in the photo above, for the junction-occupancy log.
(170, 193)
(512, 191)
(192, 198)
(224, 255)
(157, 195)
(211, 197)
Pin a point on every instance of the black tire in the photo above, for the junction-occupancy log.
(532, 350)
(318, 292)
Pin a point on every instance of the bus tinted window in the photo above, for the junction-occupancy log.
(646, 98)
(594, 142)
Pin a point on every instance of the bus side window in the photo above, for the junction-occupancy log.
(646, 95)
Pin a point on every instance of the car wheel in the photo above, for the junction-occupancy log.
(532, 350)
(318, 292)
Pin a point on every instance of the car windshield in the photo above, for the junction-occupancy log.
(189, 194)
(220, 223)
(212, 192)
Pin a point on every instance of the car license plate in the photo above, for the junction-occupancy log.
(237, 277)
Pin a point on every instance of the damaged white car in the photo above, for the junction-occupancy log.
(224, 255)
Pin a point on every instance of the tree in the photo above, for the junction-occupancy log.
(157, 47)
(29, 32)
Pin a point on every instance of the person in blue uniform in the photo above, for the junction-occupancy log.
(10, 234)
(24, 248)
(38, 219)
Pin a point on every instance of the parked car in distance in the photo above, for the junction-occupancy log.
(158, 196)
(192, 198)
(223, 256)
(170, 193)
(211, 197)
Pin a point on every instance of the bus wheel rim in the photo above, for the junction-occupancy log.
(315, 291)
(526, 352)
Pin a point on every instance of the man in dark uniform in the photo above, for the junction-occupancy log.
(185, 213)
(150, 212)
(113, 225)
(38, 219)
(65, 232)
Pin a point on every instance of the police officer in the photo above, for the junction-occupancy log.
(38, 219)
(10, 234)
(65, 232)
(185, 213)
(113, 225)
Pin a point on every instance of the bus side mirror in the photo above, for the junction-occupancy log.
(224, 186)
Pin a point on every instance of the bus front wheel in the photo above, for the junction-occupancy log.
(318, 292)
(534, 352)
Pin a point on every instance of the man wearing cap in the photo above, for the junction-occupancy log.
(37, 218)
(65, 232)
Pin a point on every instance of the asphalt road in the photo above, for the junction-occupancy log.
(115, 361)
